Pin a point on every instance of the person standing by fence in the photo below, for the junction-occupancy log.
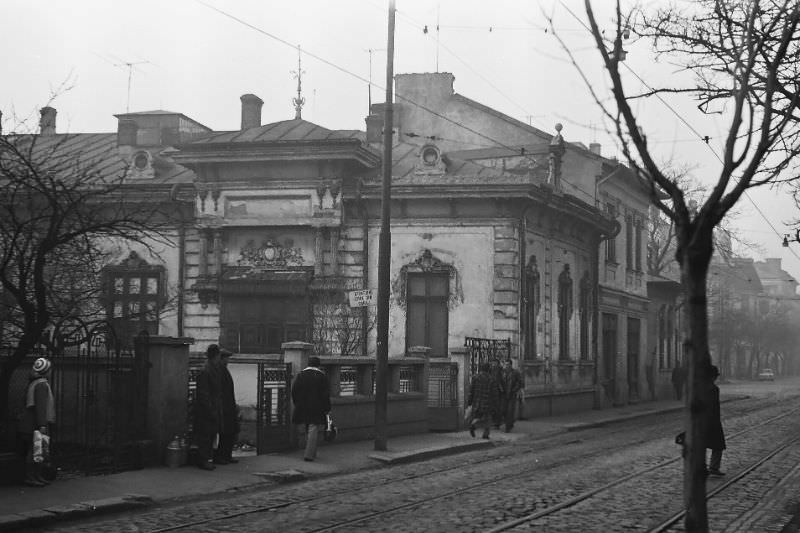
(208, 407)
(229, 429)
(38, 416)
(312, 402)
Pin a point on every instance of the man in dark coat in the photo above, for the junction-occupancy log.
(484, 396)
(39, 415)
(312, 402)
(208, 407)
(230, 415)
(512, 390)
(715, 437)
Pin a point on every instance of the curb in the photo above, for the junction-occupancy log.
(607, 421)
(49, 515)
(394, 458)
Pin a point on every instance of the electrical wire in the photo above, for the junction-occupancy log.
(686, 123)
(400, 97)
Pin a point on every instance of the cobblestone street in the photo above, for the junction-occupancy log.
(479, 491)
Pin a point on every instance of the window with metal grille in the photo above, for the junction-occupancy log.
(426, 313)
(134, 299)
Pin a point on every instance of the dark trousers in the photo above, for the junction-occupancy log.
(225, 448)
(205, 445)
(510, 412)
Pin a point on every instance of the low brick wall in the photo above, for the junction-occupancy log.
(354, 416)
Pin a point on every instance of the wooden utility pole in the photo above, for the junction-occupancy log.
(384, 247)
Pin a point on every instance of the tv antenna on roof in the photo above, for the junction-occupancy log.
(130, 65)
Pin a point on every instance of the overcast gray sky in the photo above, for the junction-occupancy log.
(189, 57)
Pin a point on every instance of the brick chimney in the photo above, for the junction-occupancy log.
(47, 121)
(595, 148)
(127, 132)
(251, 111)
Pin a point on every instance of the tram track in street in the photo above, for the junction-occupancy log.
(386, 512)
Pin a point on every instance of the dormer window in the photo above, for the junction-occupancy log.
(430, 160)
(142, 165)
(430, 155)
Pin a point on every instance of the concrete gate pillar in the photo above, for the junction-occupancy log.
(167, 384)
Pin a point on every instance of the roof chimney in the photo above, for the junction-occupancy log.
(251, 111)
(47, 122)
(595, 148)
(127, 131)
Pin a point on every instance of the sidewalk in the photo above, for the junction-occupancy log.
(24, 507)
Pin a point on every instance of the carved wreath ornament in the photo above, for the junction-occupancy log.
(270, 254)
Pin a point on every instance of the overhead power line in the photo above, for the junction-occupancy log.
(687, 124)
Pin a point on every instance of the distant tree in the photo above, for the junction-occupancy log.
(60, 213)
(743, 57)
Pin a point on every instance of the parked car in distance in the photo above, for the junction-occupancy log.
(766, 375)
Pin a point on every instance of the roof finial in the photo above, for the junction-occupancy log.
(299, 101)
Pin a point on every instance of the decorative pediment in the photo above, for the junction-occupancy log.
(271, 253)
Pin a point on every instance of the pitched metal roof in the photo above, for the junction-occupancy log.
(295, 130)
(99, 153)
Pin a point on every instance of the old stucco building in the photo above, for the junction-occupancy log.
(500, 231)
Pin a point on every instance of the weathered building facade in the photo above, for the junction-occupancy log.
(499, 231)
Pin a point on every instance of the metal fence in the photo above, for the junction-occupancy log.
(485, 350)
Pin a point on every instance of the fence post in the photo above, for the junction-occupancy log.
(296, 353)
(461, 356)
(168, 381)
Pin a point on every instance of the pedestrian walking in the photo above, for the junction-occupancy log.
(312, 402)
(512, 390)
(715, 436)
(36, 422)
(483, 398)
(678, 380)
(208, 407)
(497, 375)
(229, 428)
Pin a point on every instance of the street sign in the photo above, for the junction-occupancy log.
(361, 298)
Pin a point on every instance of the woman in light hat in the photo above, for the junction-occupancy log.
(39, 414)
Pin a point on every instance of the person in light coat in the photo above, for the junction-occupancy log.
(39, 414)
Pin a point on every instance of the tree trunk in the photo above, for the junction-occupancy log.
(694, 272)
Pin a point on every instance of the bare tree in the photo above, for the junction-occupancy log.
(58, 213)
(742, 55)
(337, 328)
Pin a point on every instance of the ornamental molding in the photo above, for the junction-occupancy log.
(271, 253)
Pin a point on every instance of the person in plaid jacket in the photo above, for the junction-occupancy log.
(484, 398)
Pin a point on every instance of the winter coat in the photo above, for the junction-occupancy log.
(230, 412)
(311, 397)
(208, 400)
(484, 395)
(715, 437)
(512, 383)
(39, 406)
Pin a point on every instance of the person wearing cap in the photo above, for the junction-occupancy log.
(208, 407)
(223, 455)
(312, 401)
(39, 414)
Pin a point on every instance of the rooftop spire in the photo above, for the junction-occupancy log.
(299, 101)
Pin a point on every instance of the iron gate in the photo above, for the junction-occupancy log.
(443, 396)
(273, 426)
(485, 350)
(100, 387)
